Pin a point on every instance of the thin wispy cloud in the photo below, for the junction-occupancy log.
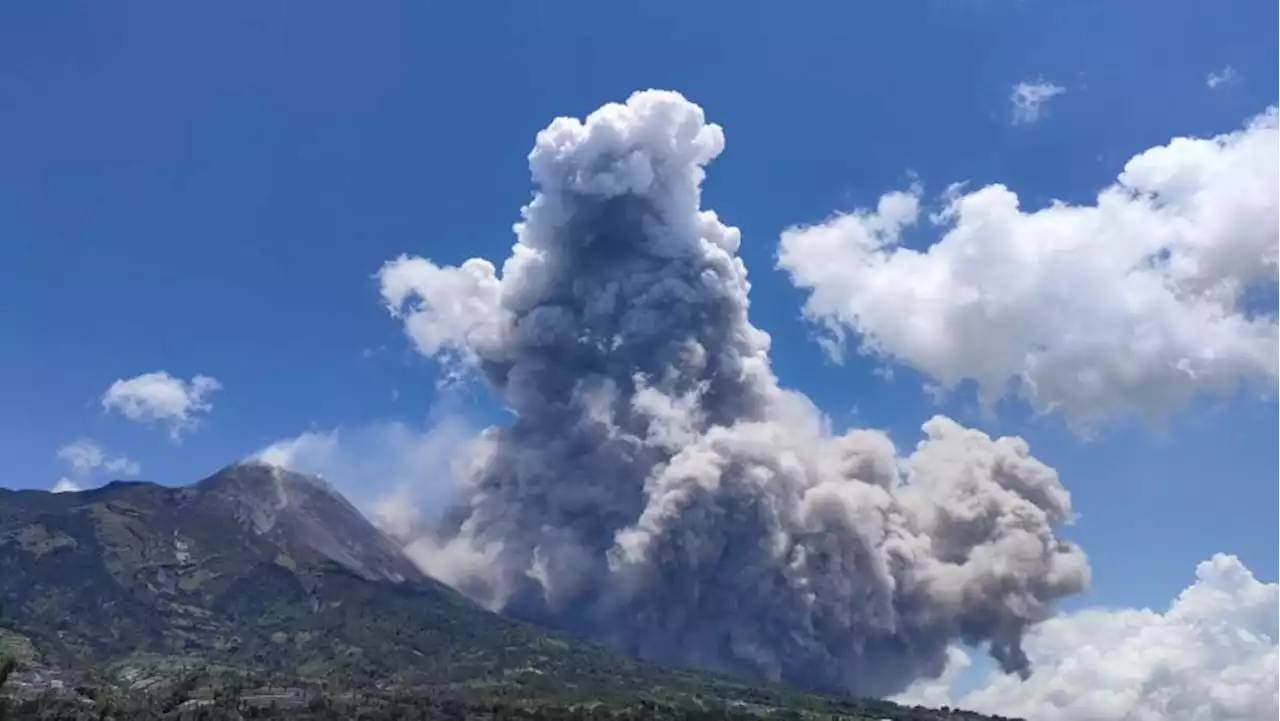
(1030, 100)
(1225, 76)
(85, 460)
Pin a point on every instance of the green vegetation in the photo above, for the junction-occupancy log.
(187, 700)
(38, 540)
(137, 601)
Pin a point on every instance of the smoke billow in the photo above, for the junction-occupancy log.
(659, 491)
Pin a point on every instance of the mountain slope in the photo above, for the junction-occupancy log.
(252, 565)
(306, 517)
(267, 571)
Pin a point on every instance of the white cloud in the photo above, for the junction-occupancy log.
(1211, 656)
(81, 455)
(159, 397)
(86, 459)
(1135, 303)
(1222, 77)
(1030, 99)
(447, 311)
(84, 456)
(66, 485)
(398, 475)
(123, 466)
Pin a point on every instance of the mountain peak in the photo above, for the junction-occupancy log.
(267, 481)
(308, 517)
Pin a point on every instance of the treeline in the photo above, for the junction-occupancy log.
(191, 697)
(334, 709)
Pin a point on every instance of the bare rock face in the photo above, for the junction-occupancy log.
(307, 517)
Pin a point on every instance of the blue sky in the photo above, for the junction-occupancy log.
(211, 190)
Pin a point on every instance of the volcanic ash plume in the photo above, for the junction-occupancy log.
(660, 492)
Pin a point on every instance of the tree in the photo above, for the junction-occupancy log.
(6, 669)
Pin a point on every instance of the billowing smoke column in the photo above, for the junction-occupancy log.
(658, 490)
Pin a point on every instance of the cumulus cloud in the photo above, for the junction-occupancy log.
(658, 490)
(444, 309)
(1030, 100)
(1211, 656)
(66, 485)
(160, 397)
(397, 474)
(84, 455)
(1224, 76)
(1135, 303)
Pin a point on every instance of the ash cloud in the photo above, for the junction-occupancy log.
(658, 489)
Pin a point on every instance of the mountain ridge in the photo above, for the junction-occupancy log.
(267, 571)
